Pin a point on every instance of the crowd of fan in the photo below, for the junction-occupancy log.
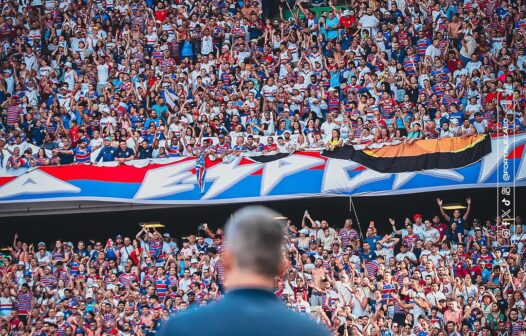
(437, 275)
(155, 79)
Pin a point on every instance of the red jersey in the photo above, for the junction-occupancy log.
(270, 148)
(474, 271)
(460, 269)
(161, 14)
(347, 21)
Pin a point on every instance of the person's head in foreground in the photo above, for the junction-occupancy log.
(253, 256)
(254, 242)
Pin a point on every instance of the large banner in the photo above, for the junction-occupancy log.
(301, 174)
(446, 153)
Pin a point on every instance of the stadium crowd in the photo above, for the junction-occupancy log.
(446, 274)
(154, 79)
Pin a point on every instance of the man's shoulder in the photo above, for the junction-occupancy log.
(225, 318)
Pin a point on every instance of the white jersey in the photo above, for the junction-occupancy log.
(6, 306)
(69, 78)
(103, 73)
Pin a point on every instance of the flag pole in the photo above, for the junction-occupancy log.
(352, 209)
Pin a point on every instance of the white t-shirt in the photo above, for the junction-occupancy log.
(519, 239)
(432, 51)
(269, 92)
(369, 21)
(435, 297)
(103, 73)
(327, 127)
(417, 310)
(95, 142)
(470, 66)
(125, 252)
(7, 304)
(109, 120)
(480, 126)
(401, 256)
(207, 45)
(472, 109)
(430, 235)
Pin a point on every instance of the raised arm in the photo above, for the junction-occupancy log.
(468, 210)
(392, 222)
(138, 236)
(306, 215)
(442, 211)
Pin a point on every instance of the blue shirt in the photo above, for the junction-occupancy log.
(107, 154)
(332, 27)
(248, 311)
(485, 274)
(372, 241)
(367, 256)
(151, 120)
(335, 79)
(160, 109)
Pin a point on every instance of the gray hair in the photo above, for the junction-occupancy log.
(255, 234)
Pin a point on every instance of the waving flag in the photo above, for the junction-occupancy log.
(169, 98)
(200, 171)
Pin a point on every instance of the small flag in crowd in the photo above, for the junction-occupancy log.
(200, 171)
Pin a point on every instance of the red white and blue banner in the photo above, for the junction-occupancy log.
(301, 174)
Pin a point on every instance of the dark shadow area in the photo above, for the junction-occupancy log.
(183, 221)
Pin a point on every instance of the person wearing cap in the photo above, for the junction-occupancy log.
(453, 125)
(249, 271)
(418, 225)
(61, 323)
(194, 266)
(345, 18)
(118, 241)
(406, 254)
(107, 152)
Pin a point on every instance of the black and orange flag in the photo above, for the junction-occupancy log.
(446, 153)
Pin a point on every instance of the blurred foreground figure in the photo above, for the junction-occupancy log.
(251, 259)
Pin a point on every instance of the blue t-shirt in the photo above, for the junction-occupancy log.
(368, 256)
(373, 240)
(332, 27)
(335, 79)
